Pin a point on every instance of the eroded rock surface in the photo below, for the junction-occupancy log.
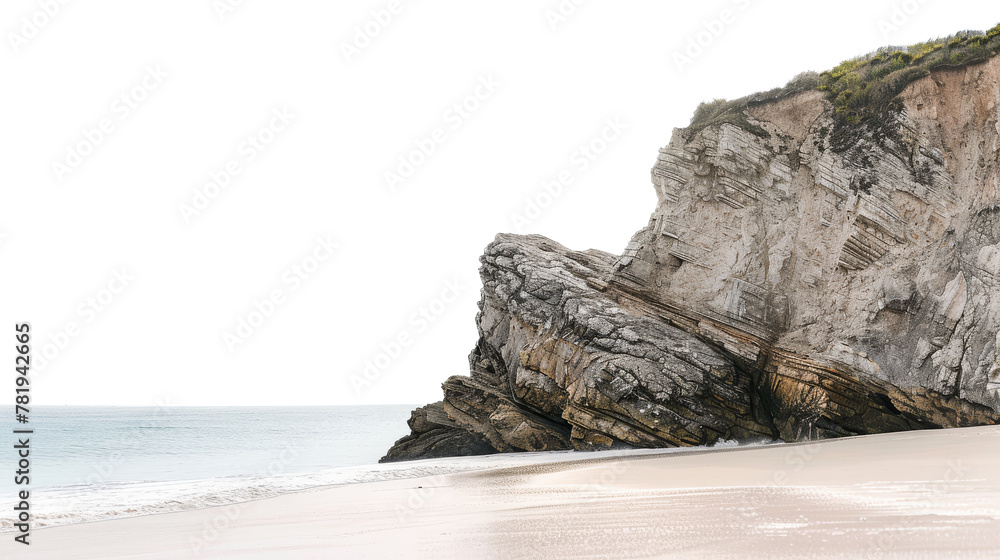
(781, 290)
(433, 435)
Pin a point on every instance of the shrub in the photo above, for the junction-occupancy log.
(864, 90)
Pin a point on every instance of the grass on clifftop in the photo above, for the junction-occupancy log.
(864, 91)
(734, 112)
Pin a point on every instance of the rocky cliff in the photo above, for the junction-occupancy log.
(814, 268)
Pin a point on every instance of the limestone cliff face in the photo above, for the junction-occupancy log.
(781, 289)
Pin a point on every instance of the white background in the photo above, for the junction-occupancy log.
(161, 337)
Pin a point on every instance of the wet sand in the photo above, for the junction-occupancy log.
(914, 495)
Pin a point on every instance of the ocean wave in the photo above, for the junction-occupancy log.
(80, 503)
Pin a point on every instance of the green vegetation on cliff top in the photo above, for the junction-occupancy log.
(864, 91)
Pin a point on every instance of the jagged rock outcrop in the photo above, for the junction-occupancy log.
(784, 288)
(434, 435)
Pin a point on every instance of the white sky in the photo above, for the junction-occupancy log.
(322, 175)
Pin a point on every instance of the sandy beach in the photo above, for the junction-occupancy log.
(931, 494)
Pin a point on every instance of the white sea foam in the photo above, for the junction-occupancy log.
(111, 500)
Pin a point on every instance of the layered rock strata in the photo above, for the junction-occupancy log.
(781, 290)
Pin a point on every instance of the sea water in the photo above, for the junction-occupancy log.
(97, 463)
(91, 463)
